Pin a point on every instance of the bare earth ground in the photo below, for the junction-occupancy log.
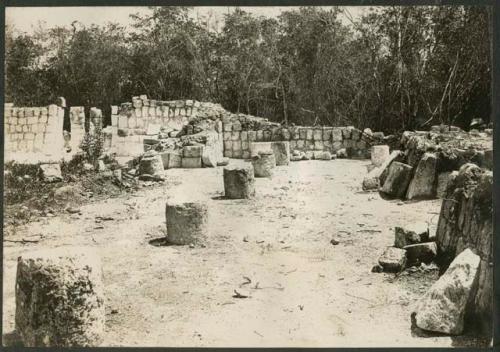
(303, 291)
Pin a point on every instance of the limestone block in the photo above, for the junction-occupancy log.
(191, 162)
(303, 133)
(245, 145)
(379, 154)
(318, 145)
(442, 309)
(236, 126)
(346, 132)
(355, 134)
(244, 136)
(421, 253)
(228, 127)
(237, 153)
(317, 134)
(301, 144)
(398, 178)
(423, 183)
(151, 164)
(412, 233)
(235, 136)
(310, 145)
(50, 172)
(286, 134)
(122, 121)
(442, 182)
(281, 151)
(192, 151)
(260, 136)
(145, 112)
(239, 182)
(187, 223)
(174, 160)
(257, 147)
(236, 146)
(393, 259)
(309, 134)
(252, 136)
(264, 163)
(267, 137)
(60, 298)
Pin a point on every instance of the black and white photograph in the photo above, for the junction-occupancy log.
(248, 176)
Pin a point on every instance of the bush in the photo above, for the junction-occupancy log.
(92, 145)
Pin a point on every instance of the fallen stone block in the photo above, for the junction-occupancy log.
(60, 298)
(442, 308)
(379, 154)
(223, 162)
(396, 155)
(281, 152)
(187, 222)
(393, 259)
(151, 164)
(264, 164)
(174, 160)
(239, 182)
(423, 184)
(421, 253)
(442, 183)
(322, 155)
(50, 173)
(309, 155)
(342, 153)
(191, 163)
(411, 234)
(397, 181)
(371, 180)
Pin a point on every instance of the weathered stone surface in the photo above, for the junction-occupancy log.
(442, 183)
(192, 151)
(423, 184)
(443, 307)
(466, 221)
(281, 152)
(393, 259)
(396, 155)
(223, 162)
(379, 154)
(421, 253)
(239, 182)
(322, 155)
(191, 163)
(264, 164)
(342, 153)
(187, 222)
(397, 181)
(165, 156)
(411, 234)
(50, 173)
(174, 160)
(60, 298)
(151, 164)
(257, 147)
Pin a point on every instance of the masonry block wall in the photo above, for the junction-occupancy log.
(134, 121)
(33, 133)
(241, 130)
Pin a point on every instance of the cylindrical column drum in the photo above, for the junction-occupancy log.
(264, 164)
(187, 223)
(60, 298)
(239, 182)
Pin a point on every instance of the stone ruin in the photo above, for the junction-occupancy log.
(456, 166)
(158, 135)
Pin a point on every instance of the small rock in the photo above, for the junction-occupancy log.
(223, 162)
(421, 253)
(73, 210)
(154, 178)
(411, 234)
(393, 259)
(377, 269)
(191, 245)
(88, 167)
(50, 173)
(342, 153)
(334, 242)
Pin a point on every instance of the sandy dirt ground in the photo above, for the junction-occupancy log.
(303, 291)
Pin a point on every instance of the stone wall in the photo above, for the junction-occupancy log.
(135, 121)
(241, 130)
(33, 133)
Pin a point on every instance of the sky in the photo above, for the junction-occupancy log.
(26, 19)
